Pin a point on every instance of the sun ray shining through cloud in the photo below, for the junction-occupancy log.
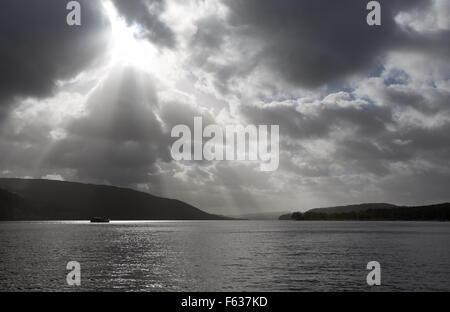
(130, 50)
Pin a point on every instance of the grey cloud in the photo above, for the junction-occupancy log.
(175, 113)
(379, 154)
(210, 34)
(429, 101)
(307, 43)
(145, 13)
(38, 48)
(208, 48)
(365, 137)
(434, 44)
(366, 119)
(429, 138)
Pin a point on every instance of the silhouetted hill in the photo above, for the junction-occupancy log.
(353, 208)
(341, 209)
(388, 212)
(24, 199)
(16, 205)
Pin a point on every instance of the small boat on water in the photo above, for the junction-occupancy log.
(99, 220)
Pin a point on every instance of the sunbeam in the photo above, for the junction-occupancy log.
(129, 49)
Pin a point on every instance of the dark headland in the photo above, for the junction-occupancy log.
(375, 212)
(27, 199)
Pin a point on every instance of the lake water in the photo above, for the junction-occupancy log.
(225, 255)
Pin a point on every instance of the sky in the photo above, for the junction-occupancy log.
(363, 111)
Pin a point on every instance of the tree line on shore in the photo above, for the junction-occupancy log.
(438, 212)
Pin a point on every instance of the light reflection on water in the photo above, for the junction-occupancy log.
(224, 255)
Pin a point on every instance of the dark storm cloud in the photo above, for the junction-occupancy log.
(145, 14)
(38, 48)
(379, 152)
(208, 43)
(353, 151)
(210, 33)
(426, 139)
(430, 101)
(309, 43)
(436, 44)
(366, 119)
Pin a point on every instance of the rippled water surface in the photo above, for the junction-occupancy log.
(225, 255)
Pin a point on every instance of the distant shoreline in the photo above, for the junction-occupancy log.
(374, 212)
